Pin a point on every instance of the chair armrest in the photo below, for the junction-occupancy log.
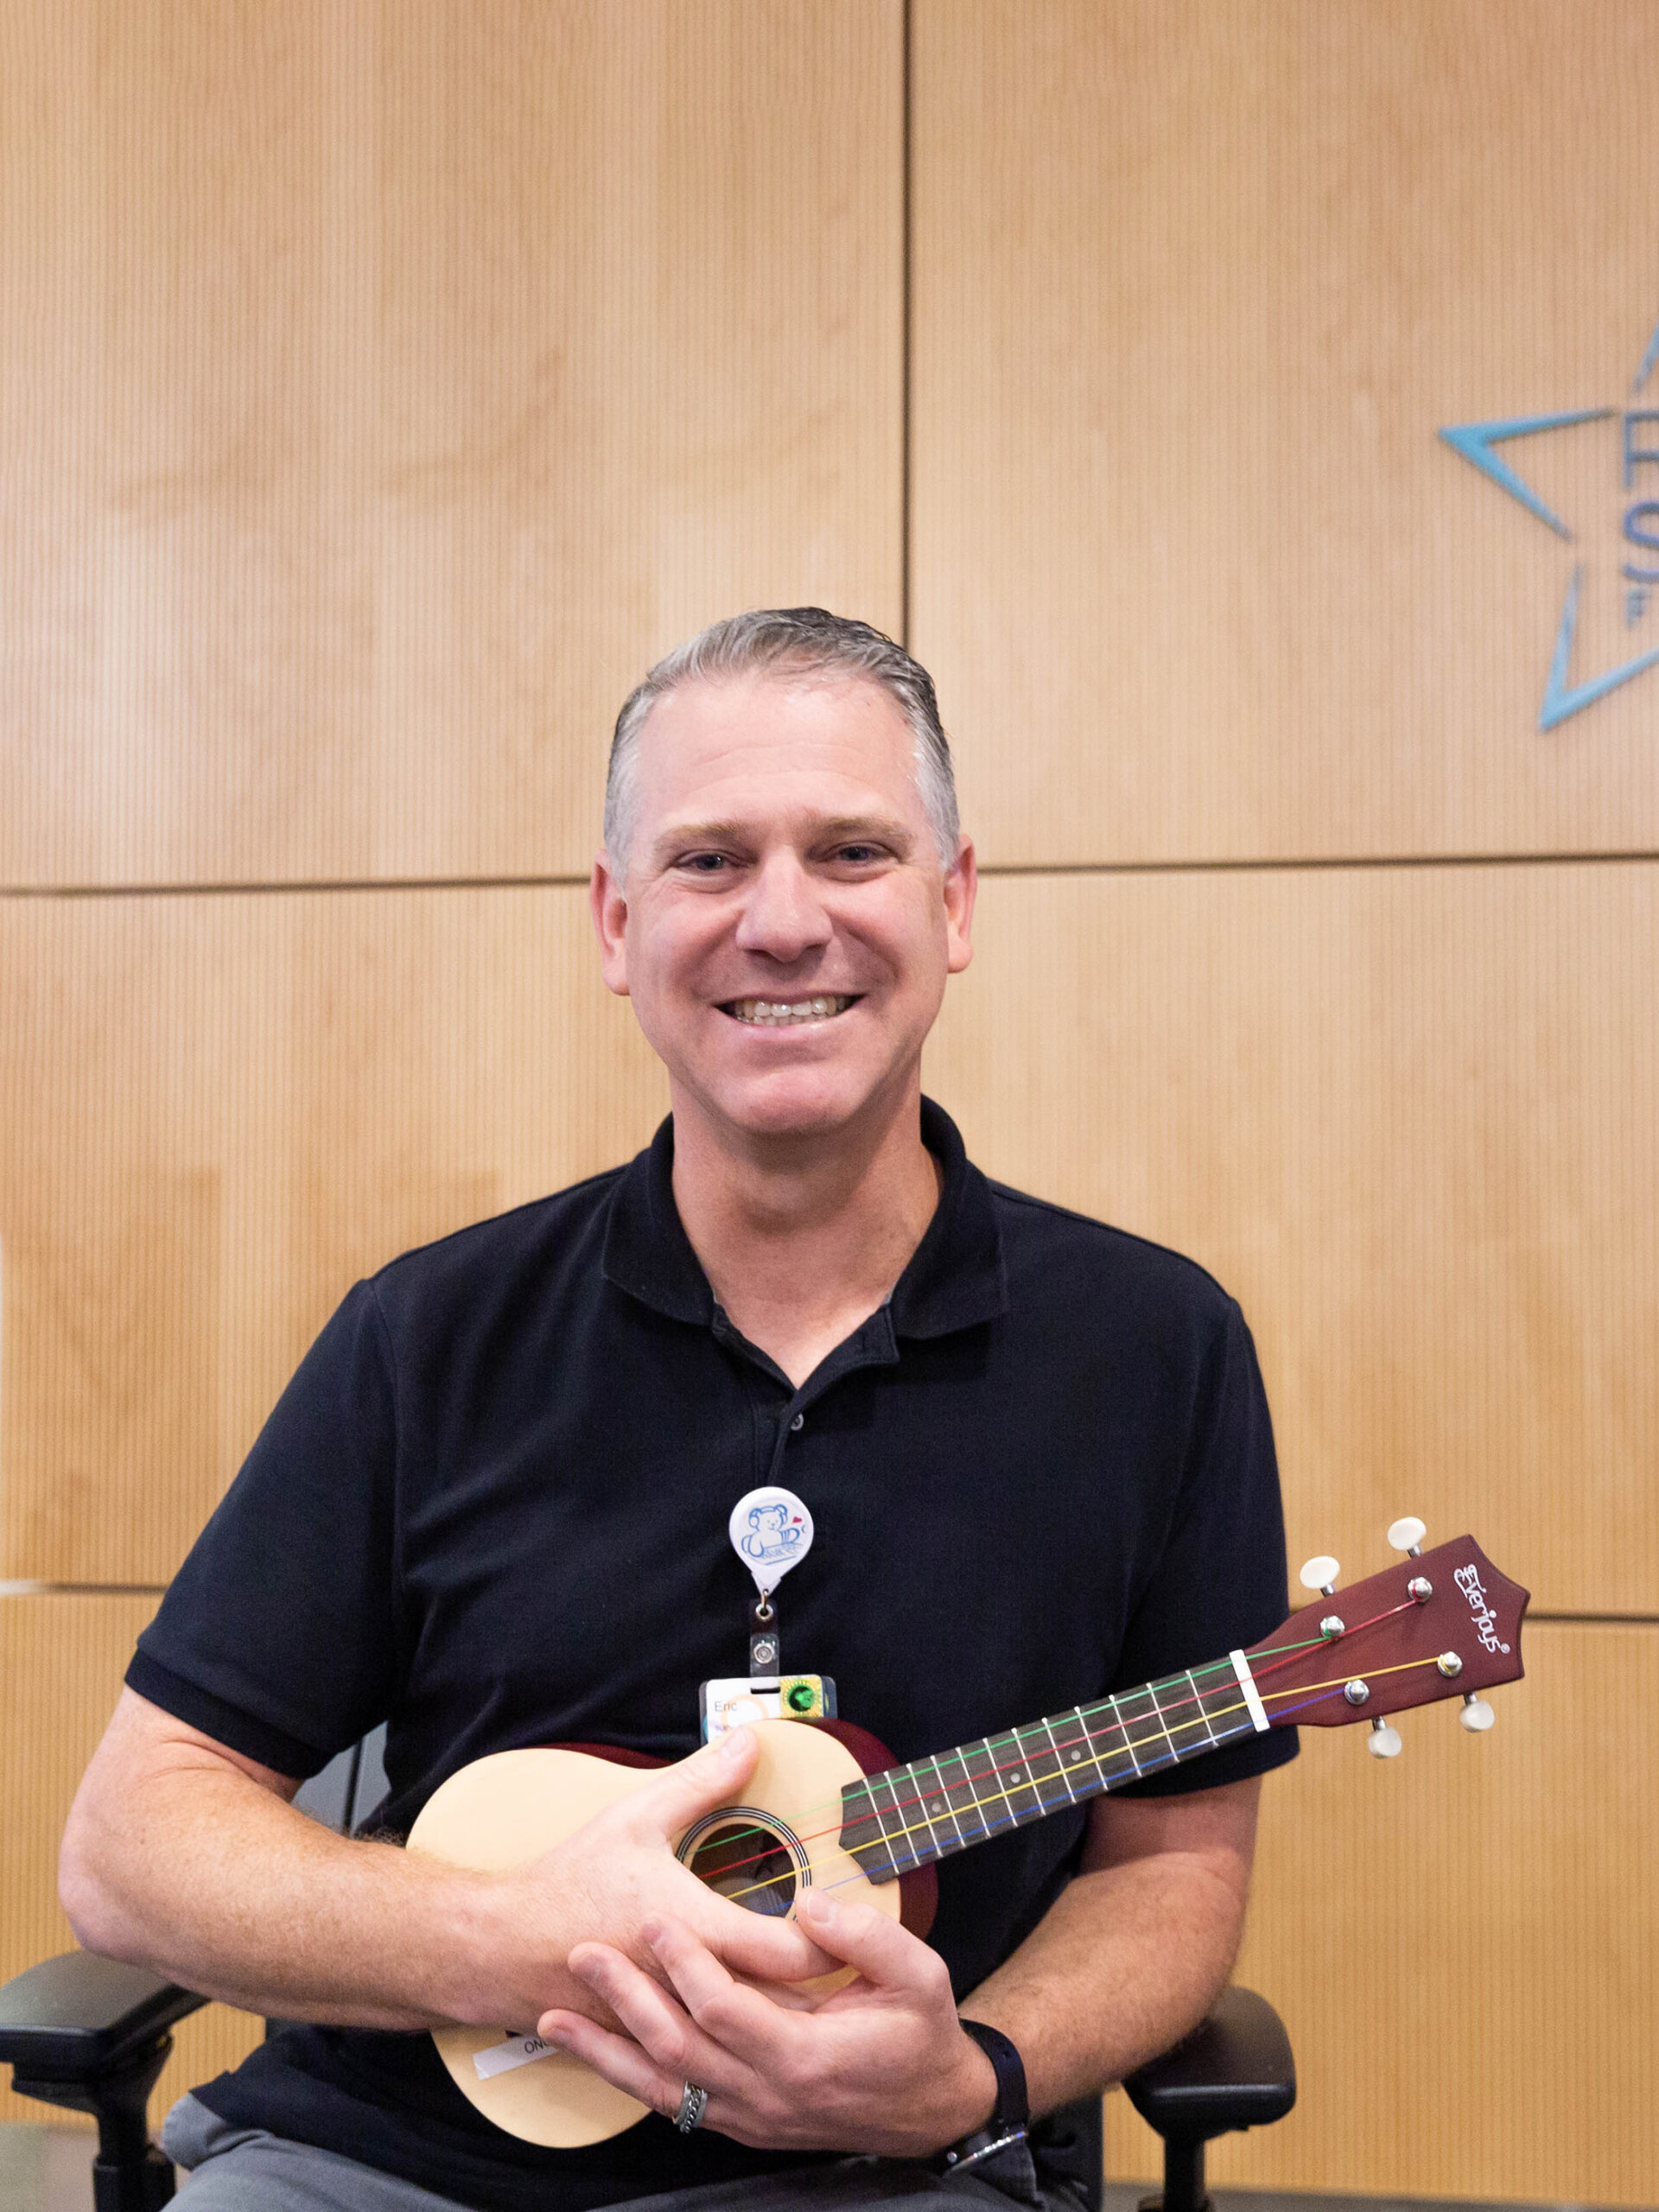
(77, 2017)
(1233, 2070)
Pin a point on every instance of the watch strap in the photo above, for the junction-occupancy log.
(1010, 2114)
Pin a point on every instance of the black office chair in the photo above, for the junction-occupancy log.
(93, 2036)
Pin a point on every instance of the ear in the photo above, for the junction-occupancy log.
(961, 890)
(609, 909)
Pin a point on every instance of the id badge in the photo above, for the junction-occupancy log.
(732, 1700)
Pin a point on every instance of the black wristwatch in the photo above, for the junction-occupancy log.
(1010, 2114)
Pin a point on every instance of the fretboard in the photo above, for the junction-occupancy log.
(907, 1816)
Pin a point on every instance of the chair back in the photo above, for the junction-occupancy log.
(351, 1787)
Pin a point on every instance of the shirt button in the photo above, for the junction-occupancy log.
(799, 1421)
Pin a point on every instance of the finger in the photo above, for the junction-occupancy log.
(734, 2015)
(756, 1944)
(616, 2059)
(882, 1950)
(697, 1785)
(651, 2015)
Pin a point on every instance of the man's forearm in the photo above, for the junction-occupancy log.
(1133, 1953)
(219, 1884)
(1128, 1960)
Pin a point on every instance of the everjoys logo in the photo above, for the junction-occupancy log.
(1468, 1581)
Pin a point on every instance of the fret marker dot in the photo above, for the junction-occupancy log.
(1075, 1755)
(1018, 1775)
(939, 1804)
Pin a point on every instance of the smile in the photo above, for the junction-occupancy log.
(778, 1014)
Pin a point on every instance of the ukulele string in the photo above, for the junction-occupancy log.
(1309, 1694)
(1001, 1827)
(1315, 1695)
(1011, 1738)
(1277, 1656)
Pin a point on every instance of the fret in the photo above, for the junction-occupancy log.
(1126, 1722)
(1085, 1757)
(1225, 1711)
(1015, 1781)
(1127, 1741)
(1162, 1719)
(1198, 1699)
(1178, 1721)
(939, 1803)
(900, 1820)
(963, 1799)
(861, 1832)
(979, 1771)
(1057, 1771)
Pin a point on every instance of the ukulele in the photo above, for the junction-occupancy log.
(826, 1805)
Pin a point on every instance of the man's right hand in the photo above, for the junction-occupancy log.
(618, 1872)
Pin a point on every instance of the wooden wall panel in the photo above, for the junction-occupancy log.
(215, 1113)
(1406, 1115)
(61, 1661)
(386, 385)
(1195, 290)
(1464, 1943)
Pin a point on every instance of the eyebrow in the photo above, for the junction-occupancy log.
(891, 828)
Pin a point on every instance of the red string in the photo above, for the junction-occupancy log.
(1288, 1653)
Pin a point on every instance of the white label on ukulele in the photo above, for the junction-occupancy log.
(502, 2058)
(771, 1531)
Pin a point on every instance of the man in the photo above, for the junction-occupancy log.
(492, 1508)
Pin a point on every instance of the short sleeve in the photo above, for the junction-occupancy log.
(1219, 1584)
(278, 1636)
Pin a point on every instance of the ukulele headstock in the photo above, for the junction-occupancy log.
(1442, 1624)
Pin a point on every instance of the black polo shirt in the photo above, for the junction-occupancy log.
(491, 1508)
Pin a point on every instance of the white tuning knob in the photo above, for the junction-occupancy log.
(1408, 1536)
(1477, 1715)
(1383, 1742)
(1321, 1573)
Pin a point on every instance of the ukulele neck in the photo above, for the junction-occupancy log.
(906, 1816)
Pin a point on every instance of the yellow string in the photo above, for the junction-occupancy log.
(1301, 1690)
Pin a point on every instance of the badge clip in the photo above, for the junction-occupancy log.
(771, 1531)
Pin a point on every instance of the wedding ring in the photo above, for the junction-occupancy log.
(692, 2101)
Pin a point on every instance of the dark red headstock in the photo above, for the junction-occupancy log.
(1407, 1647)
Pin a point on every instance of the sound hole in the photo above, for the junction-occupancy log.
(746, 1860)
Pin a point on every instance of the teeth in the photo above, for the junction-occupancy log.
(776, 1012)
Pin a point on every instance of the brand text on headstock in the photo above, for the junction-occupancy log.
(1468, 1581)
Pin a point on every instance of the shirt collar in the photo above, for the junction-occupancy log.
(955, 1279)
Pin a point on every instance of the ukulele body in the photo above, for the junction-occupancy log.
(513, 1806)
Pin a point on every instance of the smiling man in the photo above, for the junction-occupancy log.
(491, 1511)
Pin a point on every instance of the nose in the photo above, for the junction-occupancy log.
(783, 916)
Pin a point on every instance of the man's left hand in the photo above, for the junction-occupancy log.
(881, 2065)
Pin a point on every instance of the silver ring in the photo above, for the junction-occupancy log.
(693, 2101)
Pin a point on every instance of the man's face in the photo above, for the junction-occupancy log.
(784, 926)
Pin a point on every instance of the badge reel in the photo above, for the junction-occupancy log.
(771, 1531)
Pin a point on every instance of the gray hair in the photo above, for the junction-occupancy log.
(789, 640)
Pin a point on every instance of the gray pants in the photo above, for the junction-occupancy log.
(247, 2170)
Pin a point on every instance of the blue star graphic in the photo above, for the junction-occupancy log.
(1475, 441)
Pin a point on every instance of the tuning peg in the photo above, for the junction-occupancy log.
(1477, 1715)
(1321, 1573)
(1408, 1536)
(1383, 1742)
